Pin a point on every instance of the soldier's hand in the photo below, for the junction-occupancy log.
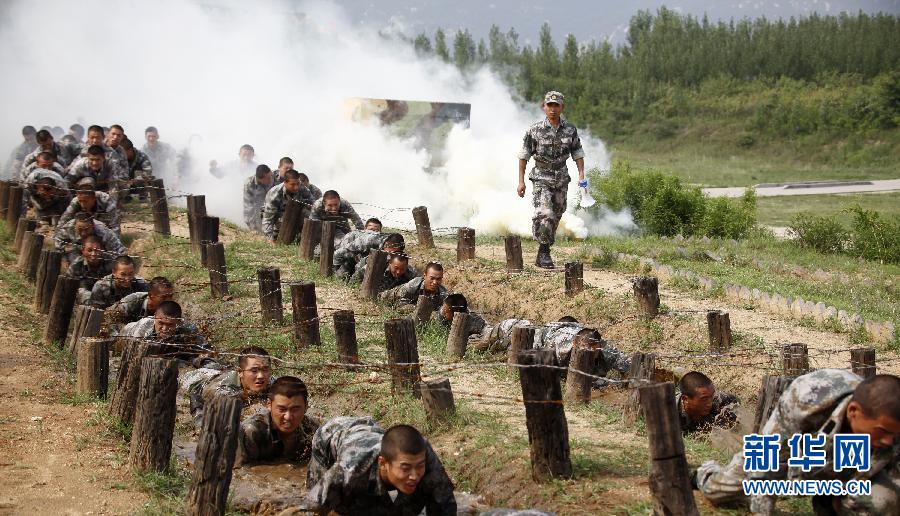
(521, 189)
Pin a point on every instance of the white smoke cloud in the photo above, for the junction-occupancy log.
(213, 76)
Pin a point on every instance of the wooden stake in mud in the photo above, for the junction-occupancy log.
(22, 226)
(24, 247)
(465, 244)
(375, 266)
(795, 359)
(326, 249)
(582, 367)
(154, 417)
(574, 278)
(61, 310)
(196, 206)
(458, 337)
(4, 199)
(32, 254)
(306, 315)
(670, 482)
(643, 366)
(124, 398)
(13, 205)
(159, 204)
(87, 322)
(545, 416)
(48, 271)
(345, 337)
(862, 362)
(521, 339)
(218, 275)
(423, 227)
(719, 325)
(402, 348)
(92, 366)
(513, 245)
(424, 308)
(270, 295)
(769, 393)
(646, 292)
(310, 235)
(216, 451)
(437, 397)
(291, 222)
(209, 234)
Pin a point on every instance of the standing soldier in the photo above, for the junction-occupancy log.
(551, 142)
(161, 155)
(14, 166)
(255, 189)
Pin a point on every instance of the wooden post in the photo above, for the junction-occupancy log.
(670, 482)
(403, 356)
(769, 394)
(719, 325)
(32, 253)
(862, 362)
(345, 337)
(424, 309)
(795, 359)
(196, 209)
(291, 222)
(310, 235)
(646, 292)
(582, 368)
(216, 450)
(61, 310)
(326, 250)
(643, 367)
(465, 244)
(87, 322)
(215, 263)
(306, 315)
(160, 206)
(545, 416)
(13, 206)
(48, 270)
(24, 247)
(92, 366)
(513, 245)
(423, 227)
(209, 234)
(124, 398)
(22, 226)
(574, 278)
(270, 295)
(4, 199)
(521, 339)
(458, 337)
(375, 266)
(154, 417)
(437, 397)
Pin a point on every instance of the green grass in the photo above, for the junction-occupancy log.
(167, 489)
(780, 211)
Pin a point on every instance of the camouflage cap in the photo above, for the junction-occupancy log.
(86, 184)
(554, 97)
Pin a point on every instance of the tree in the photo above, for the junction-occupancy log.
(464, 50)
(422, 45)
(440, 45)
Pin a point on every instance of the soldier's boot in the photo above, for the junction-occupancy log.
(543, 257)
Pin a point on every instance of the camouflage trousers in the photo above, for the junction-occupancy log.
(722, 485)
(549, 201)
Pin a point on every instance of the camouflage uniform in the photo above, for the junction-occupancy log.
(274, 208)
(65, 154)
(87, 274)
(352, 248)
(105, 294)
(106, 210)
(814, 403)
(315, 191)
(205, 384)
(67, 241)
(476, 324)
(254, 199)
(496, 338)
(130, 308)
(110, 178)
(140, 171)
(343, 474)
(389, 281)
(162, 157)
(259, 440)
(723, 413)
(234, 168)
(561, 337)
(14, 166)
(187, 343)
(56, 167)
(341, 227)
(408, 294)
(550, 147)
(59, 199)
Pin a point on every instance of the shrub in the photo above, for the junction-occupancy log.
(873, 237)
(824, 234)
(729, 218)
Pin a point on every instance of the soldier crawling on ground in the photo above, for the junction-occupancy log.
(69, 237)
(355, 244)
(106, 173)
(429, 284)
(284, 164)
(121, 282)
(178, 339)
(356, 467)
(115, 159)
(99, 204)
(255, 189)
(826, 403)
(140, 169)
(282, 430)
(45, 160)
(63, 153)
(701, 406)
(331, 208)
(276, 203)
(397, 273)
(89, 267)
(161, 154)
(137, 305)
(457, 303)
(48, 194)
(250, 380)
(314, 190)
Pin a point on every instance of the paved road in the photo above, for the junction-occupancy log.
(809, 188)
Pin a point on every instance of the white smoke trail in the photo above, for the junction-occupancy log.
(215, 76)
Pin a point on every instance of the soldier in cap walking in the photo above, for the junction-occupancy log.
(550, 142)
